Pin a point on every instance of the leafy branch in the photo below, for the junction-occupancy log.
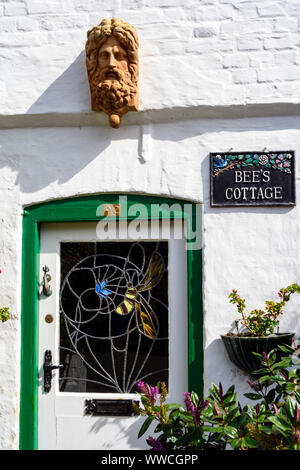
(263, 322)
(4, 314)
(273, 423)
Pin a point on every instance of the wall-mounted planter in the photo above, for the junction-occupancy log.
(240, 348)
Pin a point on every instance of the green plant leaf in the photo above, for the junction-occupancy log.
(249, 442)
(286, 349)
(253, 396)
(186, 417)
(194, 398)
(290, 387)
(264, 378)
(297, 396)
(294, 374)
(145, 425)
(271, 395)
(174, 406)
(206, 428)
(266, 429)
(218, 429)
(285, 362)
(280, 422)
(4, 314)
(230, 391)
(183, 440)
(290, 407)
(231, 431)
(235, 443)
(256, 354)
(272, 357)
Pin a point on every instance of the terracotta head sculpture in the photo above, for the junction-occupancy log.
(112, 66)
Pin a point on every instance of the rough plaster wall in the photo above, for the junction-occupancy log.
(259, 247)
(208, 52)
(10, 234)
(215, 52)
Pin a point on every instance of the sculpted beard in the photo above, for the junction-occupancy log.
(113, 93)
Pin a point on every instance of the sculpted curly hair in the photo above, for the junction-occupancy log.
(124, 32)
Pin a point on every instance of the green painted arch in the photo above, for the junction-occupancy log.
(87, 209)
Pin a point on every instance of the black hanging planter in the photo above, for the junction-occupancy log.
(240, 348)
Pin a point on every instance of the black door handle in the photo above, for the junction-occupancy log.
(48, 368)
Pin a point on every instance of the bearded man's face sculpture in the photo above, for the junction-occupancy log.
(112, 66)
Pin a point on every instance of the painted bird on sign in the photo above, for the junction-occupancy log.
(219, 162)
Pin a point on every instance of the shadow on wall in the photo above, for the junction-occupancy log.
(126, 436)
(44, 155)
(71, 87)
(218, 368)
(41, 156)
(56, 155)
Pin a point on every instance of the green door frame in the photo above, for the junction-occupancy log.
(86, 209)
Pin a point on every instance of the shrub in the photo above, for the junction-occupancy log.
(219, 421)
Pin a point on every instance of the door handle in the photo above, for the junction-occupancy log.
(48, 368)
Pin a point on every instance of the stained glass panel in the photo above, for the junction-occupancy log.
(114, 324)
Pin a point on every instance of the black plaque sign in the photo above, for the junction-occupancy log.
(252, 178)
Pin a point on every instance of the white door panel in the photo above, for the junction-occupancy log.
(62, 422)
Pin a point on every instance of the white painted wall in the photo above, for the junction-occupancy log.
(198, 60)
(193, 52)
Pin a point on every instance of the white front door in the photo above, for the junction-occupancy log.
(117, 314)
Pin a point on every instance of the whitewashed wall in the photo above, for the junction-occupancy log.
(193, 52)
(199, 61)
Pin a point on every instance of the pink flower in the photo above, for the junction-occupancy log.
(188, 402)
(265, 356)
(150, 392)
(155, 443)
(205, 404)
(196, 411)
(253, 385)
(197, 416)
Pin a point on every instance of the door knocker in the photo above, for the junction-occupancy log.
(46, 279)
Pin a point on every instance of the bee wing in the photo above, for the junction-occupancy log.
(153, 274)
(146, 319)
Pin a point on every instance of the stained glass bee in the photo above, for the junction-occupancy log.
(145, 317)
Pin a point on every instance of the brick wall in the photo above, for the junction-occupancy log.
(192, 52)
